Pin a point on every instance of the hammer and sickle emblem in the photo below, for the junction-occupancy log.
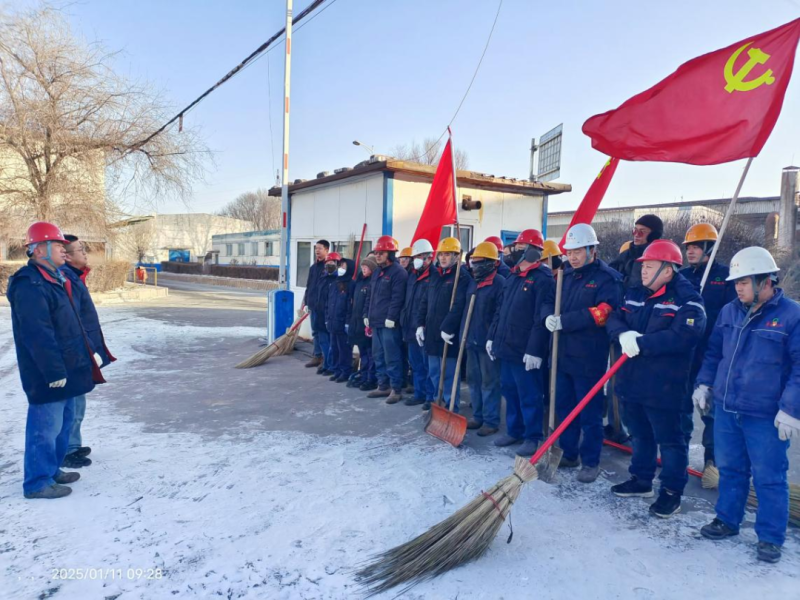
(736, 82)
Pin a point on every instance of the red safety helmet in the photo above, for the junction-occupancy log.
(333, 256)
(496, 241)
(386, 243)
(532, 237)
(44, 232)
(663, 250)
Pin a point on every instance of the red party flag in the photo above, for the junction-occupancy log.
(591, 201)
(440, 207)
(716, 108)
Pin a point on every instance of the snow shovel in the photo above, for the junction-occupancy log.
(548, 466)
(445, 424)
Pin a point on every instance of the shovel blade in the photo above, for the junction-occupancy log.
(447, 426)
(547, 467)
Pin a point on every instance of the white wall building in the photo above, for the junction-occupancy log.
(246, 248)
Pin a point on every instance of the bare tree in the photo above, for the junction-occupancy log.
(135, 242)
(71, 130)
(428, 153)
(258, 207)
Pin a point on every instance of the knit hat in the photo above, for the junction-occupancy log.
(655, 224)
(370, 262)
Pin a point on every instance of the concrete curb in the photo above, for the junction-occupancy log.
(250, 284)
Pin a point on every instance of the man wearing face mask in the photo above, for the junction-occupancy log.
(319, 314)
(336, 321)
(502, 268)
(387, 294)
(365, 379)
(433, 309)
(519, 339)
(658, 326)
(646, 230)
(592, 290)
(416, 288)
(483, 373)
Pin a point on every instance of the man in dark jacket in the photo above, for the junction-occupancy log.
(55, 360)
(519, 339)
(699, 243)
(591, 291)
(76, 269)
(311, 297)
(336, 321)
(647, 229)
(387, 294)
(432, 310)
(751, 379)
(365, 379)
(658, 326)
(319, 316)
(502, 268)
(483, 373)
(416, 288)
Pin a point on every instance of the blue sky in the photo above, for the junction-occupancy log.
(389, 71)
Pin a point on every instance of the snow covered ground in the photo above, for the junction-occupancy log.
(175, 514)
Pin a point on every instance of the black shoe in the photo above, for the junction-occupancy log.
(63, 477)
(74, 461)
(473, 424)
(619, 438)
(668, 504)
(51, 492)
(569, 463)
(333, 377)
(368, 386)
(426, 406)
(83, 451)
(717, 530)
(342, 379)
(633, 488)
(768, 552)
(413, 401)
(327, 373)
(320, 370)
(354, 382)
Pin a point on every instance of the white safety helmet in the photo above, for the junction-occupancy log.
(580, 235)
(421, 246)
(752, 261)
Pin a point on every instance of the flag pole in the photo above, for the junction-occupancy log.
(724, 226)
(455, 182)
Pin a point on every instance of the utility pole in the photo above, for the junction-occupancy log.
(283, 279)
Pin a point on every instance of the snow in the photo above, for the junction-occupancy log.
(286, 515)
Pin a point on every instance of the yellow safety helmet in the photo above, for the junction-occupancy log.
(405, 253)
(702, 232)
(485, 250)
(550, 249)
(625, 247)
(449, 244)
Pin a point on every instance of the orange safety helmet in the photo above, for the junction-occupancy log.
(486, 250)
(44, 232)
(625, 246)
(663, 250)
(405, 253)
(386, 243)
(702, 232)
(551, 249)
(493, 239)
(532, 237)
(333, 257)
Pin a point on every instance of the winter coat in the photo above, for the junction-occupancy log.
(316, 274)
(416, 288)
(503, 269)
(387, 294)
(319, 316)
(754, 366)
(717, 293)
(435, 305)
(627, 266)
(518, 325)
(672, 321)
(357, 302)
(87, 312)
(590, 293)
(488, 296)
(336, 305)
(50, 341)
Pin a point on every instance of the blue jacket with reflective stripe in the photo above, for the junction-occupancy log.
(672, 321)
(754, 366)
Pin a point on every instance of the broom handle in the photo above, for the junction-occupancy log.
(576, 411)
(440, 391)
(291, 329)
(360, 245)
(629, 450)
(461, 353)
(554, 359)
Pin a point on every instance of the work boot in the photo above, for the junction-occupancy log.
(342, 379)
(569, 463)
(395, 397)
(408, 389)
(506, 440)
(75, 461)
(487, 430)
(368, 386)
(768, 552)
(314, 362)
(354, 382)
(327, 373)
(83, 451)
(619, 438)
(379, 393)
(668, 504)
(588, 474)
(320, 370)
(473, 424)
(717, 530)
(426, 406)
(334, 377)
(50, 492)
(633, 488)
(413, 401)
(528, 448)
(63, 477)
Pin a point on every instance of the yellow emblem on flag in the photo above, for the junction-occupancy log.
(736, 82)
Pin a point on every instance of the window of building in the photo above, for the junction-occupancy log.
(255, 248)
(305, 258)
(268, 249)
(466, 235)
(240, 249)
(228, 249)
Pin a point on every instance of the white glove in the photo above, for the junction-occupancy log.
(629, 344)
(347, 329)
(448, 338)
(305, 309)
(366, 322)
(489, 350)
(703, 399)
(531, 362)
(421, 335)
(58, 384)
(389, 324)
(553, 323)
(98, 359)
(788, 426)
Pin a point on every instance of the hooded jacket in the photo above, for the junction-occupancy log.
(627, 266)
(338, 294)
(357, 302)
(87, 311)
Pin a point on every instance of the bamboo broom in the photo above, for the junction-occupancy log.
(283, 345)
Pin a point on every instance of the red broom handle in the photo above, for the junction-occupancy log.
(629, 450)
(358, 256)
(576, 411)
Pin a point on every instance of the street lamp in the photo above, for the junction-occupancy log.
(363, 145)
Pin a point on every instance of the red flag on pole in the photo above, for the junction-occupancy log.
(591, 201)
(440, 207)
(716, 108)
